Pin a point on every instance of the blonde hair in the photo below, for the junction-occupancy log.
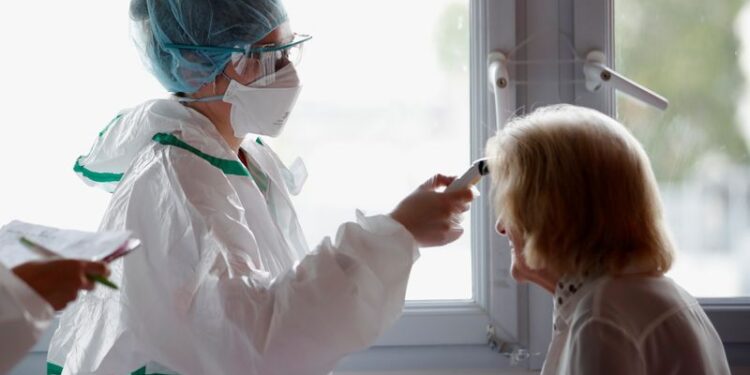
(580, 190)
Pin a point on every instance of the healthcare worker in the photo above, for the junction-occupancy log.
(226, 284)
(29, 294)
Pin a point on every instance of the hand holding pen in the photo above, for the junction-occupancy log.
(47, 253)
(58, 281)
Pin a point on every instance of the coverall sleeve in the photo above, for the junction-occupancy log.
(198, 308)
(24, 316)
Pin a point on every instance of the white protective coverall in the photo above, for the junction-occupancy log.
(24, 316)
(223, 283)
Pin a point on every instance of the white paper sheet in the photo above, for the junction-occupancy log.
(67, 243)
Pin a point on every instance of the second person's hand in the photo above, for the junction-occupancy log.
(434, 217)
(58, 281)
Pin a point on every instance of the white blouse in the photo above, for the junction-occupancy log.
(631, 325)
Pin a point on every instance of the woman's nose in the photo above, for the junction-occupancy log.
(500, 228)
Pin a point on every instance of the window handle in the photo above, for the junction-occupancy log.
(599, 75)
(499, 81)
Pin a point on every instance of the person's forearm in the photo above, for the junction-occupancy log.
(23, 318)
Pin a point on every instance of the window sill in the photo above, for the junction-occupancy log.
(443, 372)
(417, 359)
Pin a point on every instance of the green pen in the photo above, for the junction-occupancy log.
(47, 253)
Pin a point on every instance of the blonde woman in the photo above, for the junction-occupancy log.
(576, 196)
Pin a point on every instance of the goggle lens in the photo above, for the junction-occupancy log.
(269, 59)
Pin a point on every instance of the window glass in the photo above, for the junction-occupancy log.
(384, 107)
(696, 54)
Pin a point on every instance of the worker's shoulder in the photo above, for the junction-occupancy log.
(164, 166)
(179, 140)
(187, 154)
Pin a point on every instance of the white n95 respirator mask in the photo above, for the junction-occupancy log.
(263, 106)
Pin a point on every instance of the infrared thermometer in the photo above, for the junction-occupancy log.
(471, 177)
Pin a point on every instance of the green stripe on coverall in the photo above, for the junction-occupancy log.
(101, 177)
(230, 167)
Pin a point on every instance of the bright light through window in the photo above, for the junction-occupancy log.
(385, 106)
(697, 54)
(68, 69)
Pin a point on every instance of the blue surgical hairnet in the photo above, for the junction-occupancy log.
(223, 23)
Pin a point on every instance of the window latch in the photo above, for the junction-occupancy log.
(599, 75)
(514, 352)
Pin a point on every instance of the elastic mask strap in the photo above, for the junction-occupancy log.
(213, 98)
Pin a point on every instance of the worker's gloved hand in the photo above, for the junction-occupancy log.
(58, 281)
(432, 217)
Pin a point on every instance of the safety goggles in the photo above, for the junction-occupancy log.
(266, 59)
